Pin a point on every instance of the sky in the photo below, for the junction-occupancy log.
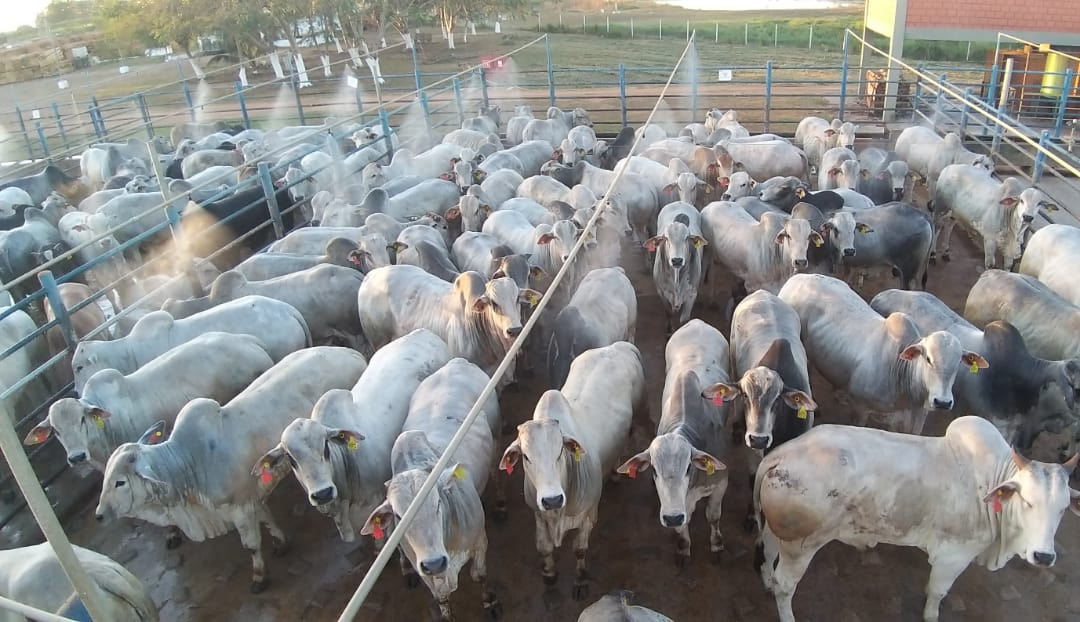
(22, 12)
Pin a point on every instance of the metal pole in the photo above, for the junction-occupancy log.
(458, 102)
(996, 144)
(41, 138)
(687, 30)
(582, 23)
(1006, 82)
(26, 137)
(843, 73)
(483, 88)
(609, 24)
(631, 27)
(145, 114)
(991, 93)
(63, 319)
(716, 37)
(60, 126)
(776, 34)
(424, 107)
(1063, 103)
(964, 113)
(622, 92)
(384, 119)
(693, 79)
(968, 57)
(416, 68)
(187, 99)
(939, 101)
(551, 70)
(746, 35)
(810, 45)
(271, 199)
(46, 518)
(768, 92)
(660, 30)
(295, 80)
(243, 104)
(1040, 157)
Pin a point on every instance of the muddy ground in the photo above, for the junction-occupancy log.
(209, 581)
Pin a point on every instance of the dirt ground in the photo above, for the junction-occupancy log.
(629, 550)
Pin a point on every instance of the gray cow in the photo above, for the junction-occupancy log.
(677, 267)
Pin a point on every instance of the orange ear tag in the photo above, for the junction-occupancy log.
(376, 529)
(267, 475)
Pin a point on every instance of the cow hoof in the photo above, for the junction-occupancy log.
(258, 587)
(173, 541)
(581, 591)
(718, 556)
(682, 560)
(281, 547)
(946, 258)
(500, 513)
(933, 260)
(412, 581)
(492, 607)
(551, 579)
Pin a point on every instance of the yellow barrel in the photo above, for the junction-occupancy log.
(1054, 77)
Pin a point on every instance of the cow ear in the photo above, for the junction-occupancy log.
(816, 240)
(573, 448)
(635, 465)
(670, 188)
(530, 297)
(1001, 493)
(782, 237)
(912, 352)
(799, 400)
(721, 392)
(397, 247)
(484, 207)
(545, 238)
(833, 172)
(446, 177)
(1050, 207)
(452, 475)
(1008, 201)
(738, 166)
(498, 274)
(865, 173)
(724, 181)
(39, 434)
(863, 228)
(800, 192)
(1074, 501)
(706, 463)
(348, 438)
(270, 468)
(480, 304)
(697, 241)
(537, 273)
(356, 257)
(380, 519)
(653, 242)
(479, 175)
(154, 435)
(510, 457)
(830, 132)
(974, 362)
(453, 213)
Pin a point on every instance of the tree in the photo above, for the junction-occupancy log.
(122, 27)
(59, 12)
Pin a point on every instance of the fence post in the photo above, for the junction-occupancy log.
(416, 70)
(41, 139)
(776, 35)
(996, 144)
(1063, 103)
(843, 73)
(63, 319)
(93, 121)
(991, 93)
(384, 119)
(622, 92)
(243, 104)
(26, 137)
(768, 92)
(1040, 157)
(687, 30)
(483, 87)
(631, 27)
(295, 81)
(964, 113)
(746, 35)
(145, 113)
(660, 30)
(427, 111)
(100, 119)
(271, 199)
(810, 45)
(939, 100)
(551, 70)
(918, 90)
(187, 99)
(458, 102)
(716, 36)
(693, 79)
(60, 126)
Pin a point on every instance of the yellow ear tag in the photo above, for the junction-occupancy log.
(352, 444)
(100, 423)
(459, 472)
(802, 412)
(697, 243)
(577, 453)
(818, 243)
(974, 368)
(709, 468)
(533, 300)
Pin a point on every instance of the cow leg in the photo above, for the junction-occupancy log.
(682, 546)
(281, 543)
(712, 513)
(173, 537)
(581, 548)
(943, 572)
(789, 570)
(946, 231)
(251, 537)
(545, 545)
(478, 572)
(500, 512)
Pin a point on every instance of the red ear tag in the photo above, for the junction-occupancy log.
(376, 529)
(718, 400)
(633, 470)
(509, 469)
(267, 475)
(997, 503)
(652, 247)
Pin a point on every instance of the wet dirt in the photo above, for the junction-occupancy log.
(629, 549)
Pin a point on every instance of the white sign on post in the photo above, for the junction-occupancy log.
(243, 77)
(301, 72)
(352, 82)
(498, 28)
(62, 84)
(275, 62)
(325, 65)
(124, 69)
(35, 114)
(723, 75)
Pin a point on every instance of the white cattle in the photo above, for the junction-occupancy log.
(531, 154)
(533, 211)
(264, 266)
(486, 254)
(617, 608)
(928, 154)
(547, 245)
(279, 326)
(429, 164)
(602, 311)
(677, 267)
(637, 194)
(1051, 255)
(478, 319)
(15, 326)
(961, 498)
(448, 531)
(324, 295)
(763, 254)
(75, 231)
(736, 186)
(424, 248)
(1049, 324)
(1000, 212)
(515, 125)
(341, 455)
(13, 197)
(763, 160)
(472, 139)
(884, 364)
(835, 170)
(689, 437)
(32, 575)
(198, 479)
(543, 189)
(571, 444)
(113, 408)
(556, 126)
(499, 186)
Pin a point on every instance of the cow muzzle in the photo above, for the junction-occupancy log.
(799, 263)
(673, 520)
(1028, 218)
(434, 565)
(676, 262)
(513, 332)
(553, 502)
(76, 459)
(849, 252)
(758, 442)
(322, 496)
(725, 197)
(943, 404)
(1043, 559)
(897, 194)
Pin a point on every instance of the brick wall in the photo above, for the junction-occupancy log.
(1003, 15)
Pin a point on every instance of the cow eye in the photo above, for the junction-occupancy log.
(292, 461)
(326, 450)
(119, 483)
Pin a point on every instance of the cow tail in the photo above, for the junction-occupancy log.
(759, 519)
(303, 324)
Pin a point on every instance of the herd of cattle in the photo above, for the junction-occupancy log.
(349, 352)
